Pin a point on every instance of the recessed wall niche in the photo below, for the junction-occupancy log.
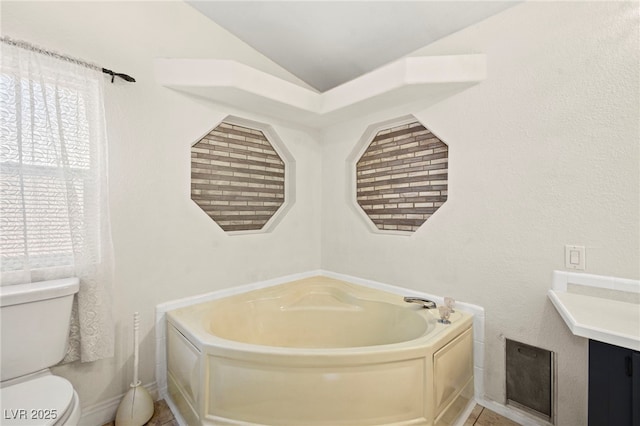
(240, 174)
(401, 176)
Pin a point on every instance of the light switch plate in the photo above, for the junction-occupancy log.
(574, 257)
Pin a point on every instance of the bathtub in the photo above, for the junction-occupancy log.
(317, 351)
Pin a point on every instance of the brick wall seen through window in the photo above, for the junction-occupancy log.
(401, 178)
(237, 177)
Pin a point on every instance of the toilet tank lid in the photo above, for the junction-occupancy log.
(41, 290)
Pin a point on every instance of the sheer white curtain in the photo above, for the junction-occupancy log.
(54, 219)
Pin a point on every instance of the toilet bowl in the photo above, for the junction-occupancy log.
(34, 321)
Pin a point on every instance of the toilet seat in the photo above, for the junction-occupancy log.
(43, 401)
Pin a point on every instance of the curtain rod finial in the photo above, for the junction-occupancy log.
(117, 74)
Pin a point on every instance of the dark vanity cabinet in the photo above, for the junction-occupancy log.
(614, 385)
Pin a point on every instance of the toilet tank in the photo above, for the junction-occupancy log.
(34, 325)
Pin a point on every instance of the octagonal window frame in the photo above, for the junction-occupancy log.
(352, 176)
(289, 172)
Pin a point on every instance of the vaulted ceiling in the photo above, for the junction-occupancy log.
(327, 43)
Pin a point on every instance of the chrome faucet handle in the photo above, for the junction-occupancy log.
(426, 303)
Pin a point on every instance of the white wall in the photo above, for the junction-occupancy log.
(542, 154)
(165, 246)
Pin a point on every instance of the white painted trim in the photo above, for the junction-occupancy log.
(105, 411)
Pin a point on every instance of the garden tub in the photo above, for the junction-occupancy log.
(318, 351)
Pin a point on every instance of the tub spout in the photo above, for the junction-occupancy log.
(426, 303)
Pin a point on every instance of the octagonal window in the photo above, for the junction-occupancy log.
(237, 177)
(401, 178)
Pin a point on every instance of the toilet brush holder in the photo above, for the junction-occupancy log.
(136, 408)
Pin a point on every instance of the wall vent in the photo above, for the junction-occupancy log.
(530, 379)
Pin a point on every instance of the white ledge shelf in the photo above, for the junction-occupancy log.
(427, 79)
(603, 319)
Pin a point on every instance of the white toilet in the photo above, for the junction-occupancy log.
(34, 322)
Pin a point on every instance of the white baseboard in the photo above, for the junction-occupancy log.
(176, 413)
(464, 415)
(511, 413)
(105, 411)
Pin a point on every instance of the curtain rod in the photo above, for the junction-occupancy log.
(38, 49)
(113, 75)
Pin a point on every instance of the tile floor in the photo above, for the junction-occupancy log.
(480, 416)
(162, 416)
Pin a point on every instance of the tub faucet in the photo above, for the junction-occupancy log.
(426, 303)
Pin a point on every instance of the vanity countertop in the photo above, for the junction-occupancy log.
(582, 303)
